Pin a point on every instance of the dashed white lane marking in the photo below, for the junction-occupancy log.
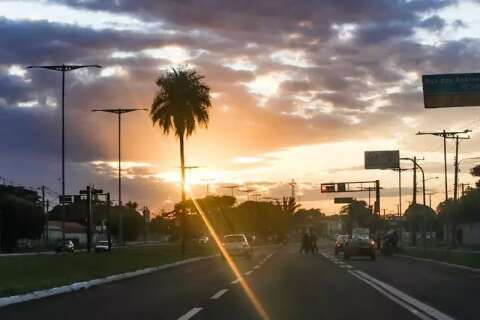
(218, 294)
(235, 281)
(420, 309)
(190, 313)
(248, 273)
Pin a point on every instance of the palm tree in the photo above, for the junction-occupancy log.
(181, 104)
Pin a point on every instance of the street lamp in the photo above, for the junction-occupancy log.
(415, 163)
(119, 113)
(64, 68)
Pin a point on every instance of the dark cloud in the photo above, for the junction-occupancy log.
(434, 23)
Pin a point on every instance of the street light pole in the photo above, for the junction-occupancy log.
(415, 164)
(64, 68)
(119, 112)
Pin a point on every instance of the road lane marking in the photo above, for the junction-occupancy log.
(420, 309)
(248, 273)
(190, 313)
(235, 281)
(256, 267)
(218, 294)
(393, 298)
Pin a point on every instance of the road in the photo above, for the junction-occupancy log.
(289, 285)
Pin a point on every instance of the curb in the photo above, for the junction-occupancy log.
(77, 286)
(452, 265)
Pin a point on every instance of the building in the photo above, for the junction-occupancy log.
(73, 231)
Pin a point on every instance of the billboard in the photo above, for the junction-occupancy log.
(451, 90)
(382, 159)
(343, 200)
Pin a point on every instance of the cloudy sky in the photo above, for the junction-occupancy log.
(300, 90)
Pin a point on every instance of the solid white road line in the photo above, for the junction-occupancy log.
(235, 281)
(190, 313)
(218, 294)
(393, 298)
(452, 265)
(248, 273)
(400, 295)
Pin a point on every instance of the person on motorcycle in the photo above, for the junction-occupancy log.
(305, 243)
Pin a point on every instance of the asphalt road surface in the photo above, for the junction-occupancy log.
(289, 285)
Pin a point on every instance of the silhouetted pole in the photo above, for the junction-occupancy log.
(415, 165)
(109, 223)
(457, 141)
(414, 199)
(119, 112)
(445, 134)
(400, 188)
(63, 68)
(293, 184)
(89, 218)
(231, 188)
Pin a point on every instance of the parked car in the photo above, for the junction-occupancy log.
(340, 243)
(359, 245)
(203, 240)
(237, 245)
(66, 246)
(102, 246)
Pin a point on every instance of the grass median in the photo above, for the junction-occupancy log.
(450, 256)
(21, 274)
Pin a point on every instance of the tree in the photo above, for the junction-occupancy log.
(181, 104)
(418, 218)
(289, 205)
(475, 171)
(357, 214)
(19, 218)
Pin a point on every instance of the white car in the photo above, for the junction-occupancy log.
(237, 245)
(203, 240)
(102, 246)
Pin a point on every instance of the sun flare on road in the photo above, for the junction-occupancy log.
(248, 291)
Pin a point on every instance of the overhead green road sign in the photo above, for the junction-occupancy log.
(451, 90)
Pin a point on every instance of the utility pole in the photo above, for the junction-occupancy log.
(47, 205)
(232, 187)
(119, 112)
(247, 191)
(63, 68)
(89, 218)
(293, 185)
(457, 141)
(400, 188)
(445, 134)
(207, 184)
(414, 199)
(415, 165)
(429, 194)
(44, 214)
(109, 223)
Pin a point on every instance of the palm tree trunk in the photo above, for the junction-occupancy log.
(182, 206)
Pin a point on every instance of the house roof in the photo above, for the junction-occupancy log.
(70, 227)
